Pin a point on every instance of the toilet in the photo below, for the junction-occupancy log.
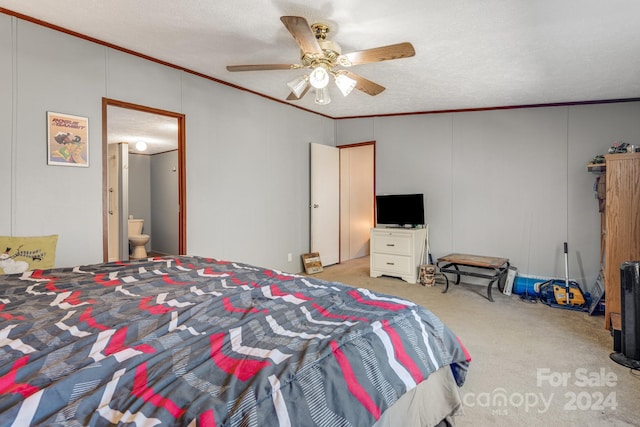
(137, 239)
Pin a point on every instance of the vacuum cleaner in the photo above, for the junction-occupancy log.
(565, 294)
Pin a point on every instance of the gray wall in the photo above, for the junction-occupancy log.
(153, 196)
(51, 71)
(140, 191)
(8, 138)
(164, 202)
(247, 158)
(510, 183)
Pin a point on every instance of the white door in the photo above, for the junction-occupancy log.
(113, 207)
(118, 195)
(325, 202)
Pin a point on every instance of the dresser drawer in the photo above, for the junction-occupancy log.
(392, 243)
(396, 264)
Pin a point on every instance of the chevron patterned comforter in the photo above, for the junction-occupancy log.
(201, 342)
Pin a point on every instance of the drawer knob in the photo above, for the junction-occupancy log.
(390, 244)
(391, 263)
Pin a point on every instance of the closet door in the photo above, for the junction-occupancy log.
(325, 203)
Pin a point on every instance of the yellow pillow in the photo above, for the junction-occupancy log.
(20, 254)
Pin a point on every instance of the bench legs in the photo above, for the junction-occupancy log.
(489, 297)
(499, 275)
(446, 280)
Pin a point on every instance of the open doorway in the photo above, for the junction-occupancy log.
(153, 179)
(342, 197)
(357, 198)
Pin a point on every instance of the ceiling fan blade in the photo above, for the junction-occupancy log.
(301, 32)
(292, 96)
(382, 53)
(365, 85)
(262, 67)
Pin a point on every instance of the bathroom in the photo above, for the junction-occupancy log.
(143, 184)
(153, 197)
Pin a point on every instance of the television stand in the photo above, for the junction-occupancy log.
(397, 252)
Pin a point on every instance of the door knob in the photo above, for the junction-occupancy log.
(315, 205)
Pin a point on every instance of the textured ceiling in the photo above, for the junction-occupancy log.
(469, 54)
(159, 132)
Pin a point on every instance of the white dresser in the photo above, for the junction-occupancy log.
(397, 252)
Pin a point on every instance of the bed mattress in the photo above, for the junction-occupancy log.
(200, 341)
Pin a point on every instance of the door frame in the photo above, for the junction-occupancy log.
(182, 200)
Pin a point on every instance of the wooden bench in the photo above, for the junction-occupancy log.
(467, 265)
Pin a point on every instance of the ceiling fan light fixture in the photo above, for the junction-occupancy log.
(322, 96)
(345, 84)
(141, 146)
(319, 77)
(321, 56)
(298, 85)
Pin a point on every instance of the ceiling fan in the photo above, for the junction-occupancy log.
(324, 59)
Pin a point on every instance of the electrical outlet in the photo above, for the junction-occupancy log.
(289, 257)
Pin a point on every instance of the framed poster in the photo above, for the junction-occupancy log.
(67, 140)
(312, 263)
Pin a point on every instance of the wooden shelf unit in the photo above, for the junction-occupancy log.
(620, 226)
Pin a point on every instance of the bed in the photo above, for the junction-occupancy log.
(197, 341)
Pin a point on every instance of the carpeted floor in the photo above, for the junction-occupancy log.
(532, 364)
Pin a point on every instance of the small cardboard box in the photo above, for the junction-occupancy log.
(312, 263)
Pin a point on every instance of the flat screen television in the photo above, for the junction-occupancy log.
(400, 209)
